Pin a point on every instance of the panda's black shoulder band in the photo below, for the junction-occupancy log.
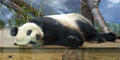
(37, 21)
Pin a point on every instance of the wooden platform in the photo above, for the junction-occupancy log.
(57, 54)
(89, 51)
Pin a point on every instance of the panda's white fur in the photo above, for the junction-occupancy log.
(70, 19)
(23, 39)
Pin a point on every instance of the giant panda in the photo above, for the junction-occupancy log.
(70, 30)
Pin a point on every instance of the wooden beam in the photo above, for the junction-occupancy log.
(57, 54)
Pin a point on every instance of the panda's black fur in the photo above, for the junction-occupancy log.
(55, 33)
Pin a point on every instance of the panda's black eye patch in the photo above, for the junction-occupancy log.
(29, 32)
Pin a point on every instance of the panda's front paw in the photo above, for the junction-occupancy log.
(75, 42)
(94, 41)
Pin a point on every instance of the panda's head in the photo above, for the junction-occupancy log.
(27, 34)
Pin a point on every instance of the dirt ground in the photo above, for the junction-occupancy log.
(7, 41)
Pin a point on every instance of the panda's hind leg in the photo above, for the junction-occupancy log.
(109, 36)
(75, 41)
(96, 39)
(102, 37)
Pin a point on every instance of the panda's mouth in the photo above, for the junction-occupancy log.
(19, 44)
(24, 44)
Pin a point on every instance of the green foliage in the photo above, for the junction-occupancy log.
(24, 16)
(2, 24)
(11, 23)
(51, 12)
(97, 27)
(114, 27)
(40, 12)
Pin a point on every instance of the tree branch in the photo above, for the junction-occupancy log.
(18, 4)
(21, 3)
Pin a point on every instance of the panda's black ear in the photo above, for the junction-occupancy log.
(14, 31)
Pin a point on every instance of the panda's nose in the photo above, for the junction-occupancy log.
(15, 44)
(31, 42)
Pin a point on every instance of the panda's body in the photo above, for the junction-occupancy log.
(65, 29)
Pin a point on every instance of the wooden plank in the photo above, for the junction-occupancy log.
(29, 54)
(56, 54)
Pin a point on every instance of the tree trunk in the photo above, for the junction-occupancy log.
(85, 11)
(97, 16)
